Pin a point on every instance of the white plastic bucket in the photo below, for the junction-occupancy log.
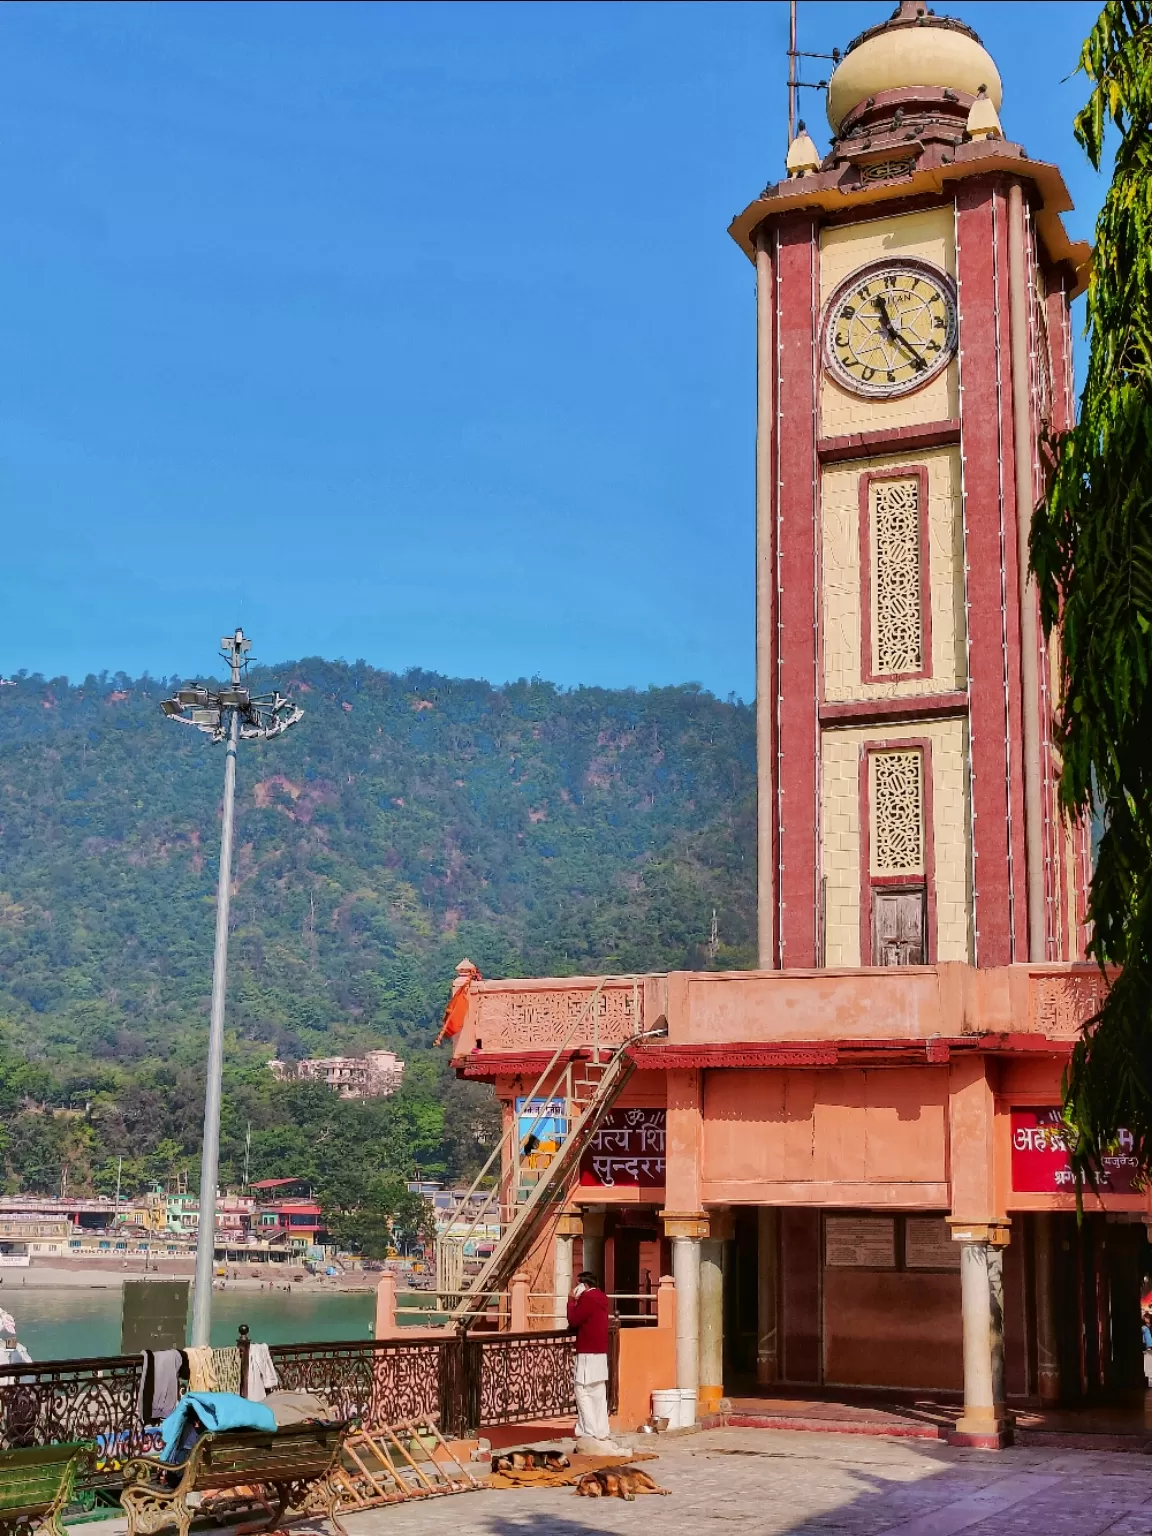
(687, 1415)
(666, 1405)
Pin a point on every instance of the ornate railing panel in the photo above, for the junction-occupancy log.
(379, 1381)
(517, 1377)
(64, 1400)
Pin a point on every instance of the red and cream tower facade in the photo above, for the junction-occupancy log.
(848, 1165)
(914, 352)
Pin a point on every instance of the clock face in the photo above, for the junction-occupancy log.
(890, 327)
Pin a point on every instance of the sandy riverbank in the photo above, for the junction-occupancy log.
(111, 1275)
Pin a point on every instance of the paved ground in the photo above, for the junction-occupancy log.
(750, 1480)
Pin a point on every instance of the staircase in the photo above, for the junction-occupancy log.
(589, 1084)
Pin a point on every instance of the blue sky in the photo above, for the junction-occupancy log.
(404, 332)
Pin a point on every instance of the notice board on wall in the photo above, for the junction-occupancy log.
(928, 1244)
(860, 1242)
(1041, 1156)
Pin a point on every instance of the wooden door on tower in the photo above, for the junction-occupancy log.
(898, 928)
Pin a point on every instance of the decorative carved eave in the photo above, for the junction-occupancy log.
(487, 1066)
(786, 1054)
(840, 190)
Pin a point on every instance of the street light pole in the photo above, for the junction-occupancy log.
(226, 714)
(210, 1155)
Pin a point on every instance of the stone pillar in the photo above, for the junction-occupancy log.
(568, 1229)
(1047, 1339)
(767, 1305)
(386, 1306)
(666, 1303)
(686, 1271)
(985, 1422)
(687, 1229)
(518, 1302)
(593, 1233)
(713, 1250)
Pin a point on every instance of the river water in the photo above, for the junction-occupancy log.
(70, 1321)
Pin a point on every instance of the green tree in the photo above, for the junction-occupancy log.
(1092, 555)
(385, 1213)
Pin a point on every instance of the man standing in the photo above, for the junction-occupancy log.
(588, 1315)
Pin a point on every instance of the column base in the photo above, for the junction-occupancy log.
(989, 1430)
(708, 1400)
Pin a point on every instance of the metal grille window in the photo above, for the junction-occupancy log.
(896, 576)
(896, 795)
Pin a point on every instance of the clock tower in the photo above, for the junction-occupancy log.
(913, 357)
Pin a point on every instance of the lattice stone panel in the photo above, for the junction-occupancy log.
(1062, 1003)
(522, 1020)
(894, 538)
(896, 793)
(887, 170)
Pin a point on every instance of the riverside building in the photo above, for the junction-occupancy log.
(850, 1158)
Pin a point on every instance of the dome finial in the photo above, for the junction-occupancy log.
(803, 156)
(983, 119)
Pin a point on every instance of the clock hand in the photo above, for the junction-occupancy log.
(896, 334)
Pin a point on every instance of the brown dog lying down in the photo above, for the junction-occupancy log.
(617, 1483)
(535, 1461)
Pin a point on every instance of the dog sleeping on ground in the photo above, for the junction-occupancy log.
(534, 1461)
(617, 1483)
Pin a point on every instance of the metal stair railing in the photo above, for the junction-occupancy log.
(531, 1213)
(450, 1248)
(449, 1264)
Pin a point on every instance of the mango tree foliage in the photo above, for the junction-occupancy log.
(1092, 556)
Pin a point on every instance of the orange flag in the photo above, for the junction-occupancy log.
(454, 1014)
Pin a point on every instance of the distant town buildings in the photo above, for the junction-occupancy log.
(276, 1221)
(273, 1221)
(374, 1075)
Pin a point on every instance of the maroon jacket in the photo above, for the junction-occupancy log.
(589, 1316)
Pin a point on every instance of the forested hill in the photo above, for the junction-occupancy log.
(407, 821)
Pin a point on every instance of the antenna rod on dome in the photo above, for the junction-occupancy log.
(794, 81)
(792, 57)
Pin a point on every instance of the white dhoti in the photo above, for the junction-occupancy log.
(592, 1397)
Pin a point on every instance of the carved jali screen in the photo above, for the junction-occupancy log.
(896, 784)
(897, 617)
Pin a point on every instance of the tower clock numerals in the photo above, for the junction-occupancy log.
(890, 328)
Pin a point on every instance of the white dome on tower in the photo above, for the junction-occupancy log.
(914, 48)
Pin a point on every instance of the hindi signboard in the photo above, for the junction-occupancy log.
(627, 1151)
(1041, 1156)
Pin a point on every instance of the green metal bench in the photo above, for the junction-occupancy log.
(36, 1486)
(291, 1468)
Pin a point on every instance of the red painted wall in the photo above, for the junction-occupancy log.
(797, 312)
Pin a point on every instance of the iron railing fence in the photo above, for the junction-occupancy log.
(471, 1380)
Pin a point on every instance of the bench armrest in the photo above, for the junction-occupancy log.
(148, 1469)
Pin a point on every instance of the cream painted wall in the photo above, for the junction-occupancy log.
(840, 558)
(840, 820)
(928, 235)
